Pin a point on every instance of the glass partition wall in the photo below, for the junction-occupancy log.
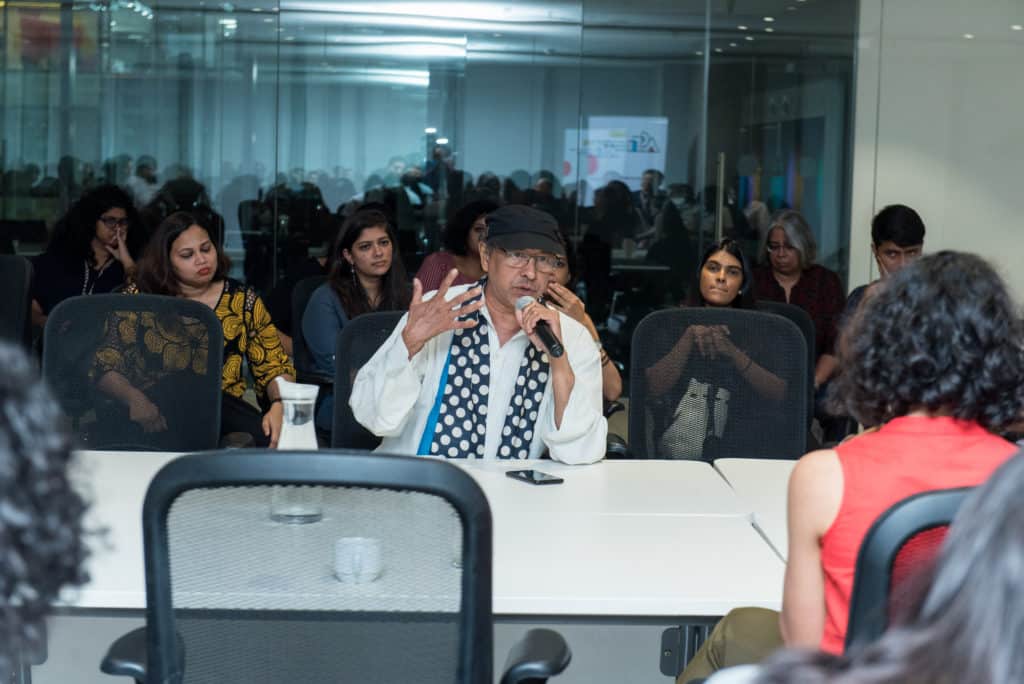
(646, 128)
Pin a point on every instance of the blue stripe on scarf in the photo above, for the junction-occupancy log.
(428, 432)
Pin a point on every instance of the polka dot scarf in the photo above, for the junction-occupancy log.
(457, 425)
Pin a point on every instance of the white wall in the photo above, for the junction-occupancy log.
(938, 120)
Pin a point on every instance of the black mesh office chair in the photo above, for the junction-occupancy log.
(136, 371)
(15, 314)
(358, 341)
(300, 352)
(894, 558)
(802, 319)
(233, 597)
(738, 390)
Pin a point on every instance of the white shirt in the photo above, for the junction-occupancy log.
(142, 190)
(393, 395)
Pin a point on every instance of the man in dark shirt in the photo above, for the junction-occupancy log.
(897, 238)
(650, 198)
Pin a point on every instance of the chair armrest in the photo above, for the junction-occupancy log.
(126, 657)
(613, 407)
(616, 447)
(314, 378)
(540, 654)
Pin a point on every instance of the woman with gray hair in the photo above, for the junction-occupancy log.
(788, 274)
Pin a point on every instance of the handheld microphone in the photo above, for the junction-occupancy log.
(543, 330)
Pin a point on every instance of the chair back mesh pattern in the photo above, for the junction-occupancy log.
(802, 320)
(358, 341)
(136, 371)
(255, 600)
(911, 569)
(734, 386)
(895, 560)
(16, 285)
(300, 299)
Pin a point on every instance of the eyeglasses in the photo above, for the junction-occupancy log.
(780, 247)
(545, 263)
(114, 222)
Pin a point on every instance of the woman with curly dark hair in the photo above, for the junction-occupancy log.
(92, 250)
(934, 360)
(366, 274)
(462, 239)
(41, 525)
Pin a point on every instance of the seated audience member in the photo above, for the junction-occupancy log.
(42, 526)
(182, 260)
(705, 363)
(758, 217)
(959, 629)
(615, 217)
(466, 375)
(366, 274)
(675, 249)
(143, 183)
(561, 295)
(462, 239)
(650, 198)
(92, 251)
(934, 358)
(897, 239)
(790, 275)
(279, 299)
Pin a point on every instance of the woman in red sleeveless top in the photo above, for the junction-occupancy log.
(934, 358)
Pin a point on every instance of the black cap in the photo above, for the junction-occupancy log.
(517, 226)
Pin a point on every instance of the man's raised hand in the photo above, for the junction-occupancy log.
(430, 318)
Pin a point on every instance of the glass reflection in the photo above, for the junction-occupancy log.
(275, 120)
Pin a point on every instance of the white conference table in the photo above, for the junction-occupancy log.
(613, 556)
(761, 485)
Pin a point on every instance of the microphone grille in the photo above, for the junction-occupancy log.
(524, 302)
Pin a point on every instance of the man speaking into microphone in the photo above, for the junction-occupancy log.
(486, 370)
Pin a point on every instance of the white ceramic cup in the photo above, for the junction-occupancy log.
(357, 560)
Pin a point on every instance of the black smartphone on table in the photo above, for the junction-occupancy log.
(534, 477)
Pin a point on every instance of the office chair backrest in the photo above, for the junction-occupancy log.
(233, 596)
(710, 383)
(802, 320)
(358, 341)
(15, 314)
(894, 558)
(300, 299)
(136, 371)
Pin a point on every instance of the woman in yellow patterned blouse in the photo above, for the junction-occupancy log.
(181, 260)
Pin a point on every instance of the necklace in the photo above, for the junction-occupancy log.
(86, 287)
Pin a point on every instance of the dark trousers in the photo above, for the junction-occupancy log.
(238, 415)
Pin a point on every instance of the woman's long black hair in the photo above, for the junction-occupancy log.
(745, 297)
(395, 290)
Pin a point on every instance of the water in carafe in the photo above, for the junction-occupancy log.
(297, 504)
(297, 427)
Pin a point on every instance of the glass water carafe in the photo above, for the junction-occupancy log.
(297, 504)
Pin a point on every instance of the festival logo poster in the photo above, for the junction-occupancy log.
(614, 148)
